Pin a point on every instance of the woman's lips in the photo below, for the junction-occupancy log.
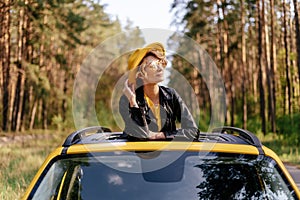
(160, 74)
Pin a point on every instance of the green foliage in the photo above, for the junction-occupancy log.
(203, 123)
(60, 59)
(38, 79)
(57, 121)
(284, 148)
(289, 126)
(105, 115)
(254, 124)
(63, 121)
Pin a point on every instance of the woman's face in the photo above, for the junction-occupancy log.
(152, 70)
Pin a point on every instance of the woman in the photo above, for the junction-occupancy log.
(150, 111)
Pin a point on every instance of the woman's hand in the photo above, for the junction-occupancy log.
(130, 94)
(156, 136)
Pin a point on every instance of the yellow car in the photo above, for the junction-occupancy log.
(227, 163)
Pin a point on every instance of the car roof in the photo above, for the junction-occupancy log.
(219, 139)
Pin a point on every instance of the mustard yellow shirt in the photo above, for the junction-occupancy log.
(156, 111)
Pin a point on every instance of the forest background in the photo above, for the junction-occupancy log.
(254, 43)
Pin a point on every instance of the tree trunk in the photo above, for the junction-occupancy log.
(220, 48)
(22, 60)
(20, 72)
(293, 62)
(243, 66)
(24, 118)
(267, 65)
(33, 113)
(273, 68)
(297, 36)
(261, 63)
(5, 60)
(232, 92)
(64, 105)
(287, 58)
(44, 114)
(224, 48)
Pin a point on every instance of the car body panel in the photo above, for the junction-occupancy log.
(160, 146)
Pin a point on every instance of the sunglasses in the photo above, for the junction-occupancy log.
(154, 65)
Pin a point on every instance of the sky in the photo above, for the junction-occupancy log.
(154, 14)
(144, 14)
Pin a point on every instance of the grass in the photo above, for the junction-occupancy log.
(286, 151)
(19, 161)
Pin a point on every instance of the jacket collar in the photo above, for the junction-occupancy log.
(164, 95)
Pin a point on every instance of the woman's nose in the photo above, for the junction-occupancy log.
(160, 68)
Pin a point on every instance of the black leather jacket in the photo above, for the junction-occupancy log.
(139, 120)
